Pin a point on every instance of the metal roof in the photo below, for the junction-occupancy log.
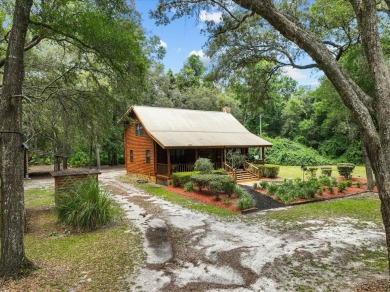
(184, 128)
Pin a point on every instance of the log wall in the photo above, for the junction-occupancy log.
(139, 145)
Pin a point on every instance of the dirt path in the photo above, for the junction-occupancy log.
(189, 251)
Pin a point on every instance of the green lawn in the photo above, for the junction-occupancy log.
(67, 260)
(296, 172)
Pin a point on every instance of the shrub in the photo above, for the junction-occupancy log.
(358, 184)
(269, 170)
(219, 171)
(228, 185)
(341, 186)
(227, 201)
(287, 152)
(326, 171)
(204, 180)
(333, 181)
(215, 188)
(239, 191)
(85, 206)
(255, 185)
(325, 180)
(272, 188)
(264, 184)
(330, 189)
(312, 171)
(245, 202)
(349, 183)
(189, 186)
(203, 165)
(181, 178)
(345, 169)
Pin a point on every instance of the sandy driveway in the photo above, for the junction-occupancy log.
(189, 251)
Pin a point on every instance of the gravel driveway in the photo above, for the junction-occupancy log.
(190, 251)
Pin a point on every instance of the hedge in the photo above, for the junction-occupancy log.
(268, 170)
(345, 169)
(181, 178)
(204, 180)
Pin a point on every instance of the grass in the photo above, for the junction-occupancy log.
(189, 203)
(39, 198)
(93, 261)
(360, 208)
(296, 172)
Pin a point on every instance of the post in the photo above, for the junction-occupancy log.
(169, 162)
(260, 125)
(64, 162)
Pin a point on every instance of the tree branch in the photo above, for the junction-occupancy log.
(35, 41)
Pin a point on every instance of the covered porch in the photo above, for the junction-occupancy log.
(169, 161)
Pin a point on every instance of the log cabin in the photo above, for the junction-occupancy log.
(160, 141)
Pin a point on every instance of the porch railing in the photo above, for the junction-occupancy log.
(182, 167)
(162, 169)
(252, 169)
(230, 170)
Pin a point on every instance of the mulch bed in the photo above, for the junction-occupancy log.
(326, 195)
(264, 202)
(204, 197)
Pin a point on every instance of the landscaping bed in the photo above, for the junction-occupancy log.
(324, 194)
(205, 197)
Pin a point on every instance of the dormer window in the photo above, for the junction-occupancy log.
(139, 131)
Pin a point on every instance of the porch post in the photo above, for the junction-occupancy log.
(196, 154)
(263, 154)
(155, 157)
(169, 162)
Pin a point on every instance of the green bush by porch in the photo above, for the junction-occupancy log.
(268, 170)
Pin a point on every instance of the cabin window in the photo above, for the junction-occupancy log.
(131, 156)
(139, 130)
(147, 156)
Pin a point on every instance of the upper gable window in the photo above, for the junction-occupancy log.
(139, 131)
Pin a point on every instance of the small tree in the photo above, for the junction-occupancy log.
(203, 165)
(235, 158)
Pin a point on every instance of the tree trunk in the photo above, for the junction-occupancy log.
(13, 260)
(369, 175)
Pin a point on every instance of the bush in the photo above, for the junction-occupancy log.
(264, 184)
(312, 171)
(85, 206)
(358, 184)
(245, 202)
(255, 185)
(215, 188)
(181, 178)
(269, 170)
(326, 171)
(287, 152)
(219, 171)
(349, 183)
(345, 169)
(78, 159)
(272, 188)
(239, 191)
(189, 186)
(341, 186)
(203, 165)
(204, 180)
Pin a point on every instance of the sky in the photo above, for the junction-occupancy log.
(182, 38)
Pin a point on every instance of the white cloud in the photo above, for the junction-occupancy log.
(210, 16)
(178, 50)
(294, 73)
(163, 44)
(205, 60)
